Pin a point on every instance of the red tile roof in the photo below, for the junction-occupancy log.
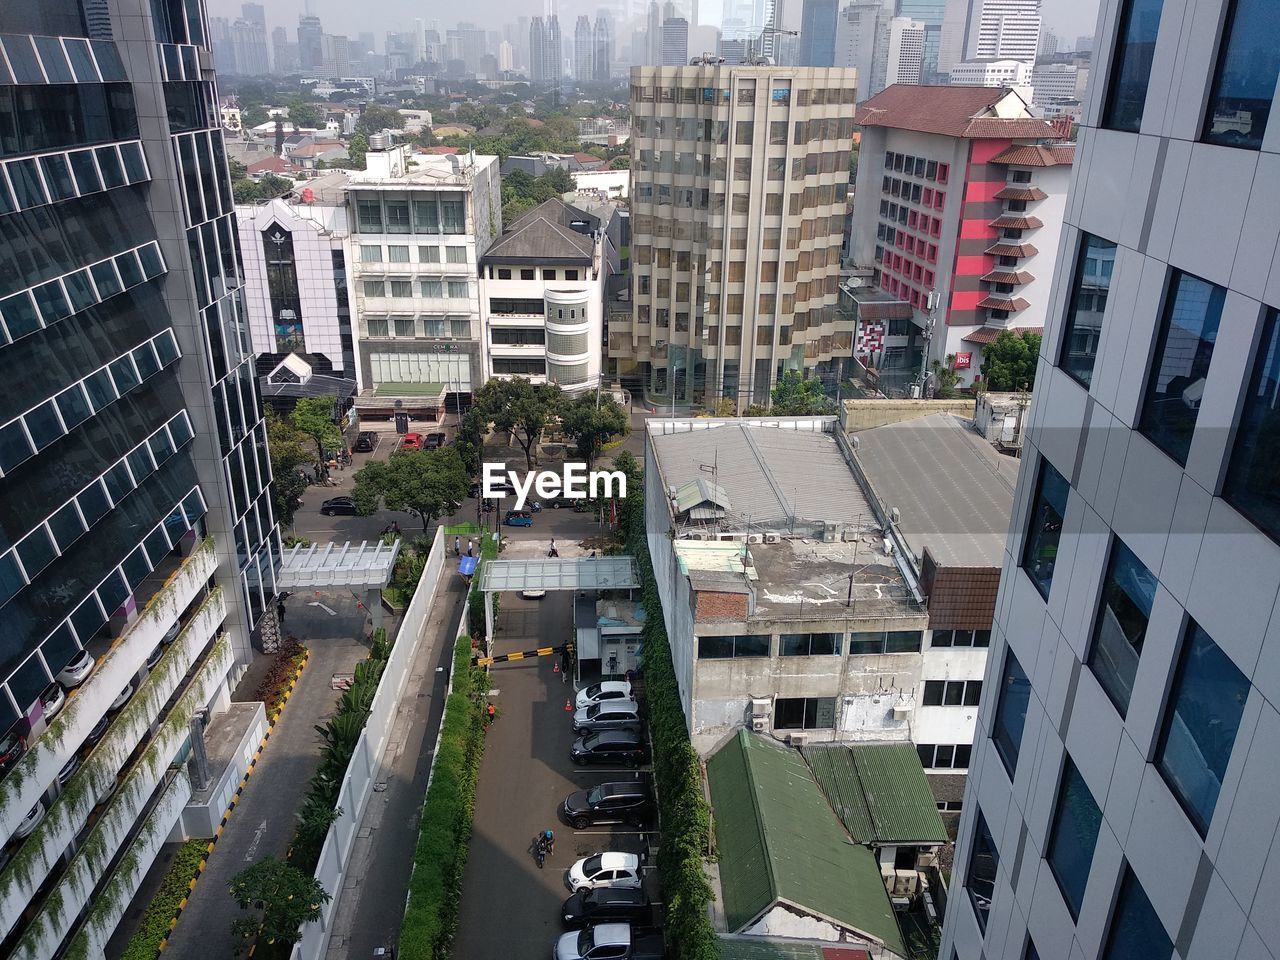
(1016, 222)
(1020, 193)
(269, 165)
(1007, 276)
(948, 111)
(1011, 250)
(440, 151)
(1037, 155)
(995, 302)
(989, 334)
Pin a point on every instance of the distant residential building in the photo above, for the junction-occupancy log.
(545, 51)
(906, 51)
(675, 41)
(993, 73)
(961, 192)
(506, 56)
(284, 54)
(818, 33)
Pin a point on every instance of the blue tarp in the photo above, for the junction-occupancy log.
(467, 565)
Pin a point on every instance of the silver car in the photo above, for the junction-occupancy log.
(606, 715)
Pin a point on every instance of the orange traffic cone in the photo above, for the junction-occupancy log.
(568, 705)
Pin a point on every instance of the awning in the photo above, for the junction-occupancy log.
(567, 573)
(366, 565)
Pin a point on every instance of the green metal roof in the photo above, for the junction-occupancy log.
(744, 949)
(779, 841)
(390, 388)
(879, 791)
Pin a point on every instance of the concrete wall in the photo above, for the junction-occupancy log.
(203, 820)
(365, 767)
(858, 415)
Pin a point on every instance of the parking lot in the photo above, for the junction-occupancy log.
(511, 908)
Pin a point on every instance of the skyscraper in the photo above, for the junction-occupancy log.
(583, 49)
(930, 13)
(602, 56)
(1006, 29)
(818, 33)
(675, 41)
(310, 43)
(1123, 804)
(140, 546)
(906, 51)
(654, 35)
(862, 42)
(546, 51)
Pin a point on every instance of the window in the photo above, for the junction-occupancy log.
(778, 132)
(1128, 590)
(1044, 529)
(1011, 712)
(459, 289)
(892, 641)
(1136, 931)
(370, 253)
(430, 255)
(944, 756)
(455, 254)
(397, 216)
(453, 216)
(1088, 302)
(369, 215)
(1200, 724)
(572, 274)
(504, 273)
(721, 648)
(943, 170)
(527, 274)
(426, 217)
(403, 326)
(512, 305)
(1188, 330)
(548, 274)
(402, 289)
(745, 132)
(1248, 64)
(808, 644)
(960, 638)
(374, 288)
(433, 288)
(378, 326)
(804, 713)
(1073, 836)
(980, 878)
(1251, 478)
(397, 254)
(950, 806)
(952, 693)
(1131, 64)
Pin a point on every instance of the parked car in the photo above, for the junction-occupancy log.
(106, 792)
(609, 746)
(29, 822)
(99, 729)
(339, 507)
(69, 770)
(12, 747)
(154, 656)
(609, 715)
(122, 699)
(433, 441)
(172, 633)
(500, 485)
(366, 441)
(54, 699)
(518, 518)
(616, 941)
(609, 869)
(606, 904)
(533, 594)
(604, 690)
(624, 801)
(411, 441)
(75, 672)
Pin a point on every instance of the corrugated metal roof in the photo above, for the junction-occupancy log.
(780, 842)
(700, 491)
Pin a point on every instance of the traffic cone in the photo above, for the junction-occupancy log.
(568, 705)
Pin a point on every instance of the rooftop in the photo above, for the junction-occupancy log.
(809, 580)
(953, 492)
(879, 792)
(780, 843)
(546, 235)
(954, 111)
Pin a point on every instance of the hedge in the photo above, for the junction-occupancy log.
(154, 925)
(686, 817)
(440, 857)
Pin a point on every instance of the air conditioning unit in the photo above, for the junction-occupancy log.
(902, 709)
(755, 538)
(771, 538)
(761, 707)
(759, 724)
(798, 739)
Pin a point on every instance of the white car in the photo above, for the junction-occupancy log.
(121, 700)
(75, 672)
(54, 699)
(533, 594)
(609, 940)
(29, 822)
(610, 869)
(604, 690)
(172, 633)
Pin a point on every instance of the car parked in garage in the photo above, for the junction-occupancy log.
(609, 869)
(77, 671)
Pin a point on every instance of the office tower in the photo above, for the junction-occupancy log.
(310, 43)
(546, 51)
(1084, 43)
(284, 54)
(1006, 29)
(735, 278)
(224, 53)
(255, 13)
(537, 46)
(249, 46)
(140, 546)
(583, 49)
(654, 35)
(1048, 43)
(506, 56)
(336, 60)
(931, 13)
(953, 37)
(818, 33)
(906, 51)
(366, 42)
(473, 45)
(675, 41)
(602, 56)
(1125, 804)
(862, 42)
(993, 73)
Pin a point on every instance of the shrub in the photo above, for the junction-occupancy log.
(275, 685)
(154, 925)
(440, 857)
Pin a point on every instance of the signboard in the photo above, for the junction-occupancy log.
(963, 361)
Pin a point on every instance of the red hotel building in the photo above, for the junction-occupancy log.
(957, 214)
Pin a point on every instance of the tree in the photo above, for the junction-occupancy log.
(253, 115)
(245, 191)
(521, 408)
(304, 114)
(428, 483)
(795, 395)
(470, 440)
(946, 377)
(287, 897)
(313, 417)
(237, 169)
(288, 452)
(592, 426)
(620, 163)
(723, 407)
(279, 136)
(559, 180)
(1010, 362)
(271, 186)
(377, 118)
(357, 147)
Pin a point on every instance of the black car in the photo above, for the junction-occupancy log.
(626, 801)
(433, 441)
(606, 905)
(365, 442)
(98, 731)
(339, 506)
(625, 746)
(12, 748)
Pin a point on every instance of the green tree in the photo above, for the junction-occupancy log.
(796, 395)
(469, 441)
(521, 408)
(1010, 362)
(946, 377)
(620, 163)
(252, 115)
(237, 169)
(288, 452)
(377, 118)
(304, 114)
(287, 897)
(271, 186)
(428, 483)
(313, 417)
(357, 147)
(559, 180)
(245, 191)
(722, 407)
(592, 426)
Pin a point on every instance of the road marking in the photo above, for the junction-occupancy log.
(252, 852)
(329, 610)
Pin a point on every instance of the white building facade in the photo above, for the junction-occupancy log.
(906, 50)
(993, 73)
(1122, 797)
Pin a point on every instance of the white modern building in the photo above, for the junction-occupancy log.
(1122, 795)
(994, 73)
(542, 291)
(1004, 28)
(420, 226)
(906, 51)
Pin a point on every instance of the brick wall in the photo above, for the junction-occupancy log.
(960, 598)
(710, 605)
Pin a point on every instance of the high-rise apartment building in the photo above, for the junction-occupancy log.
(675, 41)
(818, 33)
(906, 51)
(140, 547)
(249, 44)
(1123, 800)
(602, 53)
(739, 183)
(653, 34)
(931, 14)
(1005, 29)
(545, 50)
(310, 43)
(583, 49)
(284, 53)
(862, 42)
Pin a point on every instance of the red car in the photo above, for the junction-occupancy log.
(411, 441)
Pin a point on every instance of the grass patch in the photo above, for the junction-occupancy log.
(154, 925)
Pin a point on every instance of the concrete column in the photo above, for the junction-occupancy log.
(373, 600)
(488, 623)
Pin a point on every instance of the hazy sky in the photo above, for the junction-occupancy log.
(1067, 18)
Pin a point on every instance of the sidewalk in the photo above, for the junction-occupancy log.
(373, 897)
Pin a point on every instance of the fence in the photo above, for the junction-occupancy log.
(366, 762)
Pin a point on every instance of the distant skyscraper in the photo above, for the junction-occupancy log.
(506, 56)
(545, 50)
(1048, 43)
(249, 46)
(818, 33)
(1006, 30)
(862, 42)
(1084, 44)
(255, 13)
(602, 56)
(906, 51)
(310, 43)
(583, 49)
(675, 41)
(367, 42)
(653, 56)
(953, 39)
(931, 14)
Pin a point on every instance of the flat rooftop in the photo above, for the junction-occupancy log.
(953, 491)
(222, 738)
(809, 580)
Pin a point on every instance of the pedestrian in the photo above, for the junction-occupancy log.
(550, 843)
(280, 612)
(395, 527)
(470, 547)
(457, 546)
(553, 552)
(490, 712)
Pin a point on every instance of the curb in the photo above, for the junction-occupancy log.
(235, 799)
